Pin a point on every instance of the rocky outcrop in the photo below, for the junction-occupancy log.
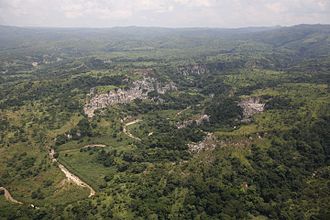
(194, 69)
(139, 89)
(250, 107)
(209, 143)
(200, 120)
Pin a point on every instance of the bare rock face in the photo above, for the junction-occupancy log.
(200, 120)
(139, 89)
(209, 143)
(250, 107)
(195, 69)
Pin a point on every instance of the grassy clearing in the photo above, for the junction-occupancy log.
(48, 179)
(83, 165)
(66, 127)
(245, 78)
(105, 89)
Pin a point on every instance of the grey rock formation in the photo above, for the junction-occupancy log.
(209, 143)
(250, 107)
(200, 120)
(139, 89)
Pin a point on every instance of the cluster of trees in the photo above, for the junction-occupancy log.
(86, 82)
(224, 111)
(227, 188)
(83, 129)
(180, 100)
(106, 158)
(278, 102)
(37, 194)
(128, 162)
(167, 136)
(23, 165)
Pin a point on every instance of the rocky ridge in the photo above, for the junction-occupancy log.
(139, 89)
(209, 143)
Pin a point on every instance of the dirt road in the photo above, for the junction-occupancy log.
(127, 132)
(93, 145)
(180, 112)
(70, 176)
(8, 196)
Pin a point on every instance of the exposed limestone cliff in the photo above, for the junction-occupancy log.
(209, 143)
(200, 120)
(139, 89)
(250, 107)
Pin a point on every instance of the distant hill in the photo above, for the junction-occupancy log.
(296, 43)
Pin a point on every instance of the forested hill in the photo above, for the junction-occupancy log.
(157, 37)
(276, 45)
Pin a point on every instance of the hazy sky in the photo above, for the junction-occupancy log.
(168, 13)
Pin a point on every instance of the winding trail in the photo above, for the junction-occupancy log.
(93, 145)
(180, 112)
(128, 133)
(70, 176)
(8, 196)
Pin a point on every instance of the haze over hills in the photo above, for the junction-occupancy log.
(165, 123)
(295, 38)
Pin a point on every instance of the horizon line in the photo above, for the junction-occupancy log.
(164, 27)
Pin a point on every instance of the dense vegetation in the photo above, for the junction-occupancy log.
(275, 165)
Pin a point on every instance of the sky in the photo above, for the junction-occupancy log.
(164, 13)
